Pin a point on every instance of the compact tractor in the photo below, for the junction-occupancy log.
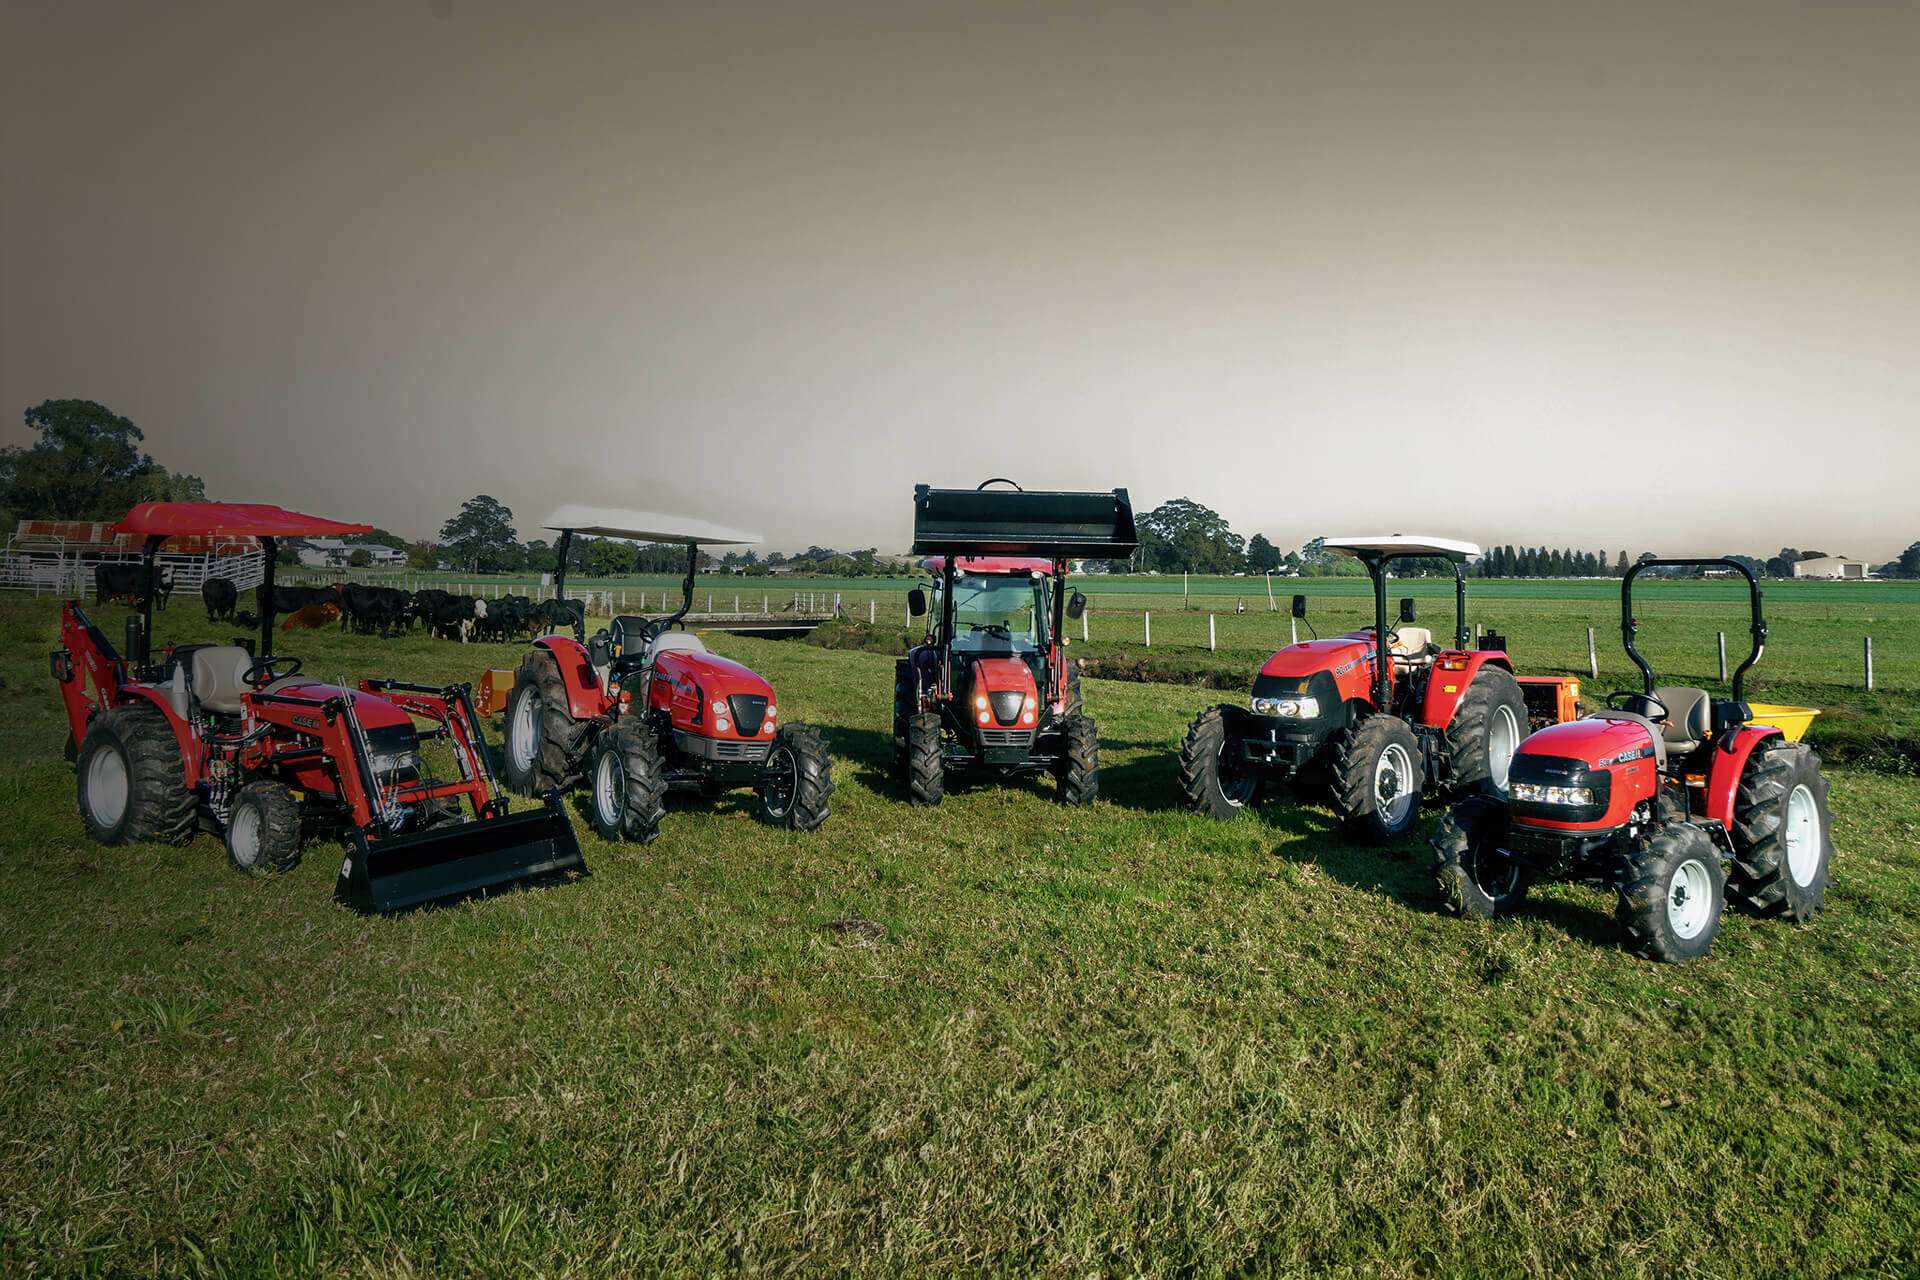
(1649, 798)
(989, 690)
(234, 740)
(643, 708)
(1378, 733)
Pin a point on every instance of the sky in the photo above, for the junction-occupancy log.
(1620, 275)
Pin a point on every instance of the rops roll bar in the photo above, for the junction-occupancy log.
(1629, 627)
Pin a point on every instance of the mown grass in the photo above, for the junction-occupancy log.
(1119, 1040)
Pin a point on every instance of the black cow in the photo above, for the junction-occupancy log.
(371, 609)
(220, 596)
(560, 613)
(130, 582)
(457, 617)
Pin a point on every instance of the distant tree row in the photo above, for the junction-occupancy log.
(87, 464)
(1544, 562)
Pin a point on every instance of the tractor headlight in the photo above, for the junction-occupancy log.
(1290, 708)
(1540, 793)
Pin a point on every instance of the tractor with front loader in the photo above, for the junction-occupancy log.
(643, 708)
(232, 739)
(989, 691)
(1376, 732)
(1648, 798)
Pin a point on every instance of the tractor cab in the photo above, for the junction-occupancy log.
(1002, 612)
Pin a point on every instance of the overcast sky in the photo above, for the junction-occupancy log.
(1594, 274)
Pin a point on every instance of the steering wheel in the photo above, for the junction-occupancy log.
(1000, 629)
(262, 672)
(1623, 696)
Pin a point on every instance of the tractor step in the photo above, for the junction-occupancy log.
(464, 860)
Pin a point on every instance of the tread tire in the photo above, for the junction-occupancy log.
(925, 762)
(1761, 881)
(556, 762)
(1079, 767)
(1468, 828)
(633, 812)
(279, 828)
(1468, 737)
(1356, 750)
(1645, 882)
(813, 779)
(158, 807)
(1201, 779)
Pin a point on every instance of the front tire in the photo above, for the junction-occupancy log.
(799, 779)
(1487, 728)
(1211, 784)
(129, 781)
(1782, 834)
(925, 761)
(263, 830)
(1079, 768)
(1377, 778)
(1476, 880)
(626, 791)
(541, 730)
(1673, 894)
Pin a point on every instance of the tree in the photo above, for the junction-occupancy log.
(423, 555)
(86, 465)
(1262, 555)
(1620, 566)
(609, 558)
(1781, 566)
(1183, 535)
(360, 559)
(480, 535)
(380, 538)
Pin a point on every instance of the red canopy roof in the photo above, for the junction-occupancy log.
(249, 519)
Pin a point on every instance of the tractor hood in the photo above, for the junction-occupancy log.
(1007, 686)
(370, 709)
(714, 697)
(1337, 654)
(1596, 743)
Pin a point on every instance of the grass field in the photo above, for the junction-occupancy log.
(1122, 1040)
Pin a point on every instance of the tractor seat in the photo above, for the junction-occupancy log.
(218, 677)
(1409, 645)
(1689, 717)
(675, 642)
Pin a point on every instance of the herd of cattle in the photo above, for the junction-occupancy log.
(384, 611)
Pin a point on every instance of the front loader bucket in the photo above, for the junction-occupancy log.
(1012, 522)
(462, 860)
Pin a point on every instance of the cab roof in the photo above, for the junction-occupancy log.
(1402, 544)
(989, 564)
(228, 519)
(646, 526)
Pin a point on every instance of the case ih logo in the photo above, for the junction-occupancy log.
(306, 722)
(1636, 754)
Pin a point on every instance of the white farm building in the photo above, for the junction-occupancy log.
(1837, 567)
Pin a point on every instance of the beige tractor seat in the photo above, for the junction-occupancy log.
(1409, 645)
(675, 642)
(1659, 739)
(1689, 717)
(219, 677)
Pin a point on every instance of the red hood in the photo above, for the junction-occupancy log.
(372, 711)
(1594, 742)
(1310, 657)
(692, 682)
(1008, 678)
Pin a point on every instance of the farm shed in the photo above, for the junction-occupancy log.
(1831, 567)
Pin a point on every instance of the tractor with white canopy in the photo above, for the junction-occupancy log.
(1379, 733)
(643, 707)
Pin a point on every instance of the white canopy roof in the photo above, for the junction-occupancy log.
(1404, 544)
(646, 526)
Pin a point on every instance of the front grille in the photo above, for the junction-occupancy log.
(1006, 704)
(749, 709)
(723, 750)
(1006, 737)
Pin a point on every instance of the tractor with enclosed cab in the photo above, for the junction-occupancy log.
(233, 739)
(989, 691)
(1375, 718)
(643, 708)
(1669, 797)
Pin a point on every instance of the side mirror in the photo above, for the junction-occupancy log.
(917, 603)
(1299, 606)
(1076, 605)
(1406, 608)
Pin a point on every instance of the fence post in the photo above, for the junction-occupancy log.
(1210, 639)
(1083, 628)
(736, 602)
(872, 605)
(766, 605)
(1723, 653)
(709, 602)
(1146, 620)
(1293, 630)
(1869, 664)
(1593, 657)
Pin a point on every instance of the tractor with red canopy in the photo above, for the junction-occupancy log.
(990, 691)
(232, 739)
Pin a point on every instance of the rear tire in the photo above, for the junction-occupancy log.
(1487, 728)
(925, 762)
(541, 732)
(1079, 768)
(903, 709)
(1475, 880)
(1377, 778)
(1076, 704)
(800, 779)
(1782, 833)
(626, 791)
(1672, 895)
(263, 831)
(129, 781)
(1210, 784)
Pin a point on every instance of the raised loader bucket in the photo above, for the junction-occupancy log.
(1016, 522)
(460, 860)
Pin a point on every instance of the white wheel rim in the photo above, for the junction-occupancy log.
(243, 836)
(1236, 791)
(1689, 899)
(107, 787)
(1503, 739)
(1803, 836)
(608, 789)
(1394, 794)
(521, 736)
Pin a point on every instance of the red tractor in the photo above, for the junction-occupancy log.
(989, 691)
(231, 739)
(1378, 734)
(1648, 798)
(643, 708)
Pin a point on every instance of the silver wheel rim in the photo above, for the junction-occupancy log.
(1503, 739)
(1689, 899)
(108, 787)
(1803, 836)
(523, 734)
(243, 836)
(609, 789)
(1394, 794)
(789, 774)
(1237, 790)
